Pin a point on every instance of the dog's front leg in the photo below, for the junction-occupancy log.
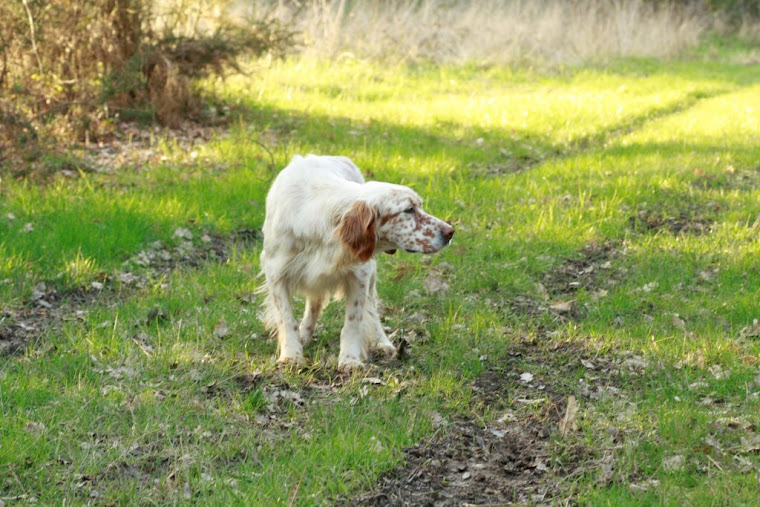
(378, 340)
(291, 350)
(353, 344)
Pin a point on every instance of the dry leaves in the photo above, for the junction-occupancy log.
(435, 284)
(221, 329)
(751, 331)
(569, 422)
(526, 377)
(674, 463)
(562, 306)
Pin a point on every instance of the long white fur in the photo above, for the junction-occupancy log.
(304, 253)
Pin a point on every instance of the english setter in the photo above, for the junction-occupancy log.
(323, 225)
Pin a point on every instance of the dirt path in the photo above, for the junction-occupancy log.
(531, 453)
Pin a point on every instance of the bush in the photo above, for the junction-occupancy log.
(71, 65)
(737, 11)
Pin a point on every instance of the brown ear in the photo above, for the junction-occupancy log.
(357, 230)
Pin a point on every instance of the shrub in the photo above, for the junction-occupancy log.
(71, 65)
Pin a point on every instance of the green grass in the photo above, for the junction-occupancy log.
(116, 404)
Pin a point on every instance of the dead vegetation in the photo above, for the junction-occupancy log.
(531, 453)
(69, 70)
(506, 31)
(691, 220)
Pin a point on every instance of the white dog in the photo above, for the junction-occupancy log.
(323, 225)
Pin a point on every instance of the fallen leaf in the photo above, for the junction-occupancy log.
(438, 420)
(751, 331)
(649, 287)
(221, 330)
(674, 463)
(35, 427)
(562, 306)
(645, 486)
(183, 233)
(497, 433)
(569, 422)
(435, 284)
(526, 377)
(750, 444)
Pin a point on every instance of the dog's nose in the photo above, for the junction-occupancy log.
(447, 232)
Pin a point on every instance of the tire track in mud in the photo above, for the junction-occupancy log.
(531, 453)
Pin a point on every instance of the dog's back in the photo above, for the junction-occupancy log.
(305, 197)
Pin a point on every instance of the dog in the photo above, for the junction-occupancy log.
(323, 226)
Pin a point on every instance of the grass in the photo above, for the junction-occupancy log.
(165, 389)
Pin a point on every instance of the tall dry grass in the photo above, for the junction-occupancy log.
(497, 31)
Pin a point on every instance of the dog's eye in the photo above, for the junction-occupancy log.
(410, 209)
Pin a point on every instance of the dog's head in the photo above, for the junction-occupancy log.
(388, 217)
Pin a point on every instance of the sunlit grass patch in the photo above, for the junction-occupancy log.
(582, 103)
(729, 120)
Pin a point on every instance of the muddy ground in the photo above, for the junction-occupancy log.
(528, 455)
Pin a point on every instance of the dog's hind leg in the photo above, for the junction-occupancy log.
(291, 350)
(309, 322)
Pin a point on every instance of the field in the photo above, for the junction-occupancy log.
(590, 337)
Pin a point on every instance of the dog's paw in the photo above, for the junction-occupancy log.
(386, 350)
(285, 361)
(349, 364)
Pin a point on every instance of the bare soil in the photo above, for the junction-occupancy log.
(590, 270)
(679, 223)
(521, 457)
(583, 271)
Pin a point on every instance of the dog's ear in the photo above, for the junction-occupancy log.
(357, 230)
